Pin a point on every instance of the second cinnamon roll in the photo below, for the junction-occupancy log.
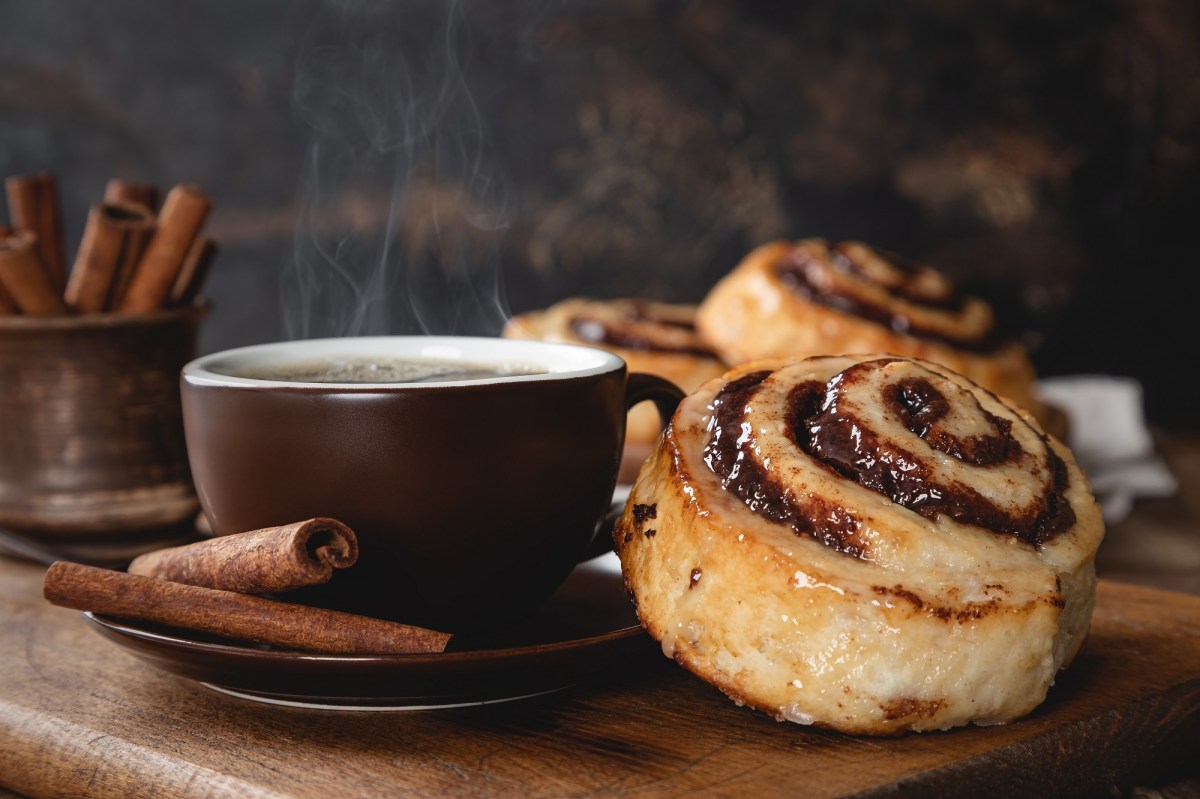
(810, 297)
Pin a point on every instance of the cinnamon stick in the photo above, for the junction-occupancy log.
(7, 306)
(25, 279)
(263, 561)
(179, 222)
(195, 269)
(232, 615)
(113, 240)
(130, 191)
(34, 206)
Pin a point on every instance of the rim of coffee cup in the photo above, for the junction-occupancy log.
(554, 361)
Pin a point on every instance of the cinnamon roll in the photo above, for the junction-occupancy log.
(810, 297)
(653, 337)
(872, 544)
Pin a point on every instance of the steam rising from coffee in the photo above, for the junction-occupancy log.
(401, 207)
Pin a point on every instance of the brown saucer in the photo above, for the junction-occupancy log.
(587, 627)
(107, 552)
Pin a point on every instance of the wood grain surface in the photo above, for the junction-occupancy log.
(81, 717)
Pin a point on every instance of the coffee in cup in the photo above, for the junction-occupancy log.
(385, 370)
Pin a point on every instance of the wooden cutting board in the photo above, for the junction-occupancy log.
(81, 717)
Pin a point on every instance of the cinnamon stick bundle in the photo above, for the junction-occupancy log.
(113, 240)
(24, 278)
(264, 561)
(130, 191)
(179, 222)
(232, 615)
(34, 206)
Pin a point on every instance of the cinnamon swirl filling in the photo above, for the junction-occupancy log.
(883, 288)
(928, 441)
(644, 327)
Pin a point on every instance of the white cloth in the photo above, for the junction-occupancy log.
(1110, 439)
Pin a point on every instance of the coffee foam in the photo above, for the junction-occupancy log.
(360, 369)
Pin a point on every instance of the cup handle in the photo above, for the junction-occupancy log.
(666, 396)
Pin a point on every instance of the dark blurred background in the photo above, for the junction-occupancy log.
(406, 166)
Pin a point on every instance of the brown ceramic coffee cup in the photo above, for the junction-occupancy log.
(472, 498)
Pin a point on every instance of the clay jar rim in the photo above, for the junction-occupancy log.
(559, 361)
(19, 323)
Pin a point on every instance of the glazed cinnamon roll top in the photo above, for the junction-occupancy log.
(638, 325)
(881, 287)
(808, 297)
(907, 430)
(620, 325)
